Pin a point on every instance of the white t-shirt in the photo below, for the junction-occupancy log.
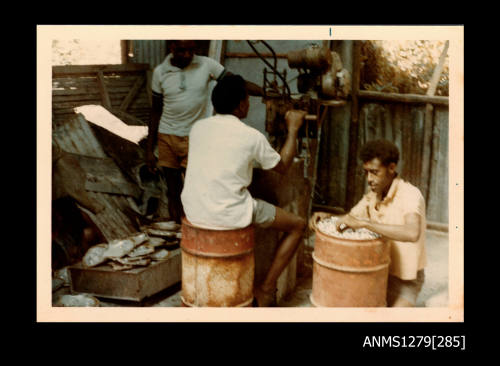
(185, 92)
(222, 154)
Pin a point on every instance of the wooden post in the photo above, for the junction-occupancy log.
(429, 148)
(124, 51)
(106, 102)
(132, 93)
(353, 128)
(149, 78)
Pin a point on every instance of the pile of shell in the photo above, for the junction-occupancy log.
(139, 250)
(328, 226)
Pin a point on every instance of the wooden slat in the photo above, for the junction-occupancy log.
(92, 69)
(353, 130)
(403, 98)
(106, 102)
(253, 55)
(83, 90)
(133, 93)
(82, 80)
(427, 151)
(149, 91)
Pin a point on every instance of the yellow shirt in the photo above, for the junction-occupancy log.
(403, 198)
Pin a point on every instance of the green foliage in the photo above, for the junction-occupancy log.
(402, 66)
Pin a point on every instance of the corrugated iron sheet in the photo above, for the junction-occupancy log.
(76, 136)
(151, 52)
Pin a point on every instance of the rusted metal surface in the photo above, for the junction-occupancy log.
(134, 284)
(75, 136)
(313, 57)
(349, 273)
(217, 266)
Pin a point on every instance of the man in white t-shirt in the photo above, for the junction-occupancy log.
(222, 154)
(394, 209)
(180, 90)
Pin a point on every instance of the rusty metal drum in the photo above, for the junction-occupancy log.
(313, 57)
(349, 273)
(217, 266)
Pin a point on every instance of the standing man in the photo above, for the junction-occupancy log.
(222, 154)
(394, 209)
(180, 88)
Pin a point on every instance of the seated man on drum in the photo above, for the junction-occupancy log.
(395, 209)
(222, 153)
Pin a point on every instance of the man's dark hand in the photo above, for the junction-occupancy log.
(348, 221)
(294, 119)
(317, 217)
(151, 162)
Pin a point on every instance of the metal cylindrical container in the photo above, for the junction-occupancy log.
(217, 266)
(313, 57)
(349, 273)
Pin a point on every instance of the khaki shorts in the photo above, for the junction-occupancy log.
(263, 213)
(408, 290)
(172, 151)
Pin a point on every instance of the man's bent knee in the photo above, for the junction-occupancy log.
(288, 222)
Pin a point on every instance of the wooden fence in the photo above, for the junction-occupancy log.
(402, 123)
(417, 124)
(122, 89)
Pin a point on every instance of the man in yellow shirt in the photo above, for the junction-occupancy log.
(395, 209)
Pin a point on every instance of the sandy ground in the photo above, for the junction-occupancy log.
(434, 291)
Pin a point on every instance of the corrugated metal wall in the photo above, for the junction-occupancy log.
(151, 52)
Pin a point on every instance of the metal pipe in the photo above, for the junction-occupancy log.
(273, 68)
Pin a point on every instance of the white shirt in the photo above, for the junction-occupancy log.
(185, 92)
(403, 198)
(222, 154)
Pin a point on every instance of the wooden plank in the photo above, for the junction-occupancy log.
(416, 152)
(133, 93)
(253, 55)
(149, 91)
(406, 144)
(88, 90)
(60, 99)
(72, 104)
(128, 79)
(403, 98)
(58, 71)
(353, 128)
(106, 102)
(427, 143)
(437, 205)
(114, 97)
(426, 153)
